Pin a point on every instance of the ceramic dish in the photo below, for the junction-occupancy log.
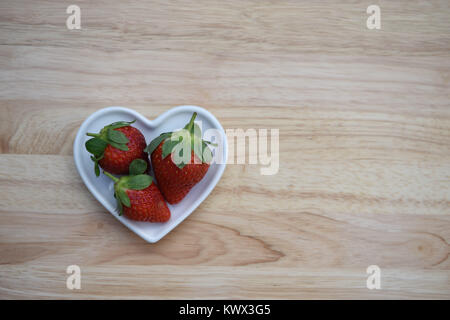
(175, 118)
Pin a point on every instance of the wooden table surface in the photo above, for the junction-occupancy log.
(364, 120)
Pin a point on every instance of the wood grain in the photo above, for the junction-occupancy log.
(364, 120)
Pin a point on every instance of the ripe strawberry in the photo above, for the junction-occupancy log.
(176, 175)
(115, 147)
(138, 197)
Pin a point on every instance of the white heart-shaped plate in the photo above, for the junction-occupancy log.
(103, 188)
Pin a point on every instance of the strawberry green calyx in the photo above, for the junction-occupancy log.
(97, 145)
(190, 135)
(136, 181)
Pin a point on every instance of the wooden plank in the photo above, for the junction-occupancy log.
(364, 120)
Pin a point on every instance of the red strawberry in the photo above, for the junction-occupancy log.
(115, 147)
(175, 183)
(138, 197)
(176, 180)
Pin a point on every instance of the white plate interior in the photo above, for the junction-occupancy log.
(102, 187)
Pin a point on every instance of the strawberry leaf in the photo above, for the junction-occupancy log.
(96, 146)
(168, 146)
(139, 182)
(96, 168)
(123, 197)
(119, 146)
(207, 153)
(181, 165)
(155, 142)
(116, 136)
(196, 130)
(120, 124)
(138, 166)
(197, 146)
(119, 206)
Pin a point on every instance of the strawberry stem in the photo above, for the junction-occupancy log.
(191, 122)
(96, 135)
(111, 176)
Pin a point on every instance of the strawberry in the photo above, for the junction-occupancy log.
(177, 175)
(138, 198)
(115, 147)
